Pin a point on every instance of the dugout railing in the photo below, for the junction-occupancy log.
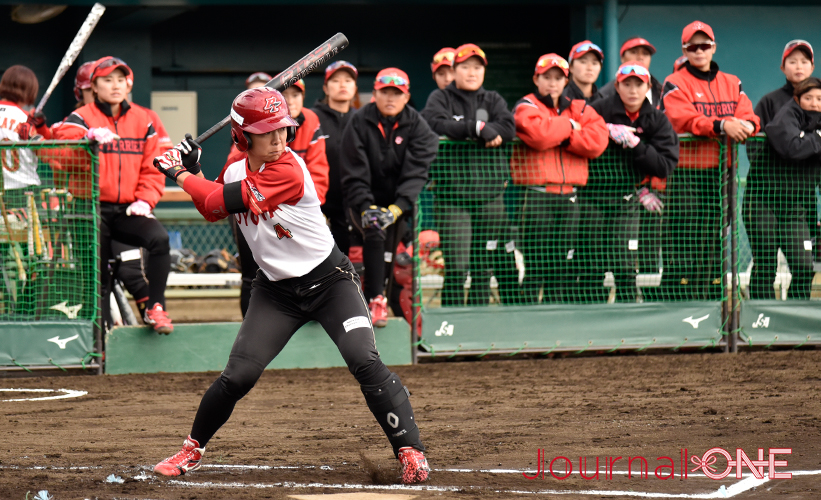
(49, 295)
(521, 267)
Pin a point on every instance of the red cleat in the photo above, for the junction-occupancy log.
(187, 460)
(379, 311)
(158, 318)
(414, 465)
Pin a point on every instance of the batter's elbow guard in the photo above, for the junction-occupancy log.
(391, 407)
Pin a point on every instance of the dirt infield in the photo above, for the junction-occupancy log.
(304, 432)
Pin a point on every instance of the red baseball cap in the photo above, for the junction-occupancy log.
(693, 28)
(340, 65)
(105, 65)
(548, 61)
(259, 76)
(629, 69)
(797, 44)
(679, 63)
(583, 48)
(300, 84)
(392, 77)
(443, 58)
(637, 42)
(468, 50)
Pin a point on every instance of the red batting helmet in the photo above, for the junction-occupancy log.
(83, 79)
(259, 111)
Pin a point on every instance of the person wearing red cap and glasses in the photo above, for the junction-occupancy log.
(308, 143)
(303, 277)
(469, 205)
(585, 65)
(387, 149)
(442, 67)
(130, 186)
(642, 143)
(636, 50)
(334, 112)
(561, 136)
(703, 101)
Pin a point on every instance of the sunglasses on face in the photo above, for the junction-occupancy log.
(392, 80)
(444, 56)
(694, 47)
(471, 50)
(634, 69)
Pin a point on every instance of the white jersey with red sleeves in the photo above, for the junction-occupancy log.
(290, 238)
(19, 165)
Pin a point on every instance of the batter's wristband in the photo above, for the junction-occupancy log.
(232, 194)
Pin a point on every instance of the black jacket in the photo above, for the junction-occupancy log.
(388, 164)
(610, 89)
(478, 173)
(771, 104)
(656, 155)
(333, 124)
(572, 92)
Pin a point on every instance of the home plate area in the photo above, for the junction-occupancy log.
(308, 433)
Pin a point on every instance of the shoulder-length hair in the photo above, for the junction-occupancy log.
(19, 85)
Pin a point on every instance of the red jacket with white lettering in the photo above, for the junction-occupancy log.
(309, 144)
(696, 102)
(127, 172)
(557, 154)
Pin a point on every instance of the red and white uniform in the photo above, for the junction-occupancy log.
(283, 226)
(19, 165)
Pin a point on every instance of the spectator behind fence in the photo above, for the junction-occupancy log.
(130, 186)
(703, 101)
(334, 112)
(637, 50)
(387, 149)
(561, 135)
(585, 65)
(780, 198)
(18, 89)
(797, 64)
(469, 184)
(442, 67)
(642, 143)
(308, 144)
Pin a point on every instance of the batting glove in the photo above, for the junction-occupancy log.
(101, 135)
(650, 201)
(622, 134)
(37, 119)
(170, 164)
(140, 208)
(190, 152)
(378, 217)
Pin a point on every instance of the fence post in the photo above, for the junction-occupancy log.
(725, 230)
(416, 301)
(734, 228)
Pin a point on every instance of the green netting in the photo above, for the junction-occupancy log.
(200, 236)
(48, 235)
(592, 242)
(780, 214)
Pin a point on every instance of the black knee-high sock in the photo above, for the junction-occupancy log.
(215, 408)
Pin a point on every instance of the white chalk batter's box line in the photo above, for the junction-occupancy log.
(746, 484)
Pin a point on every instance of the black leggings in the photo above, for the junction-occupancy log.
(277, 310)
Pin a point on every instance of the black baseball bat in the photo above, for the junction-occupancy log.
(293, 73)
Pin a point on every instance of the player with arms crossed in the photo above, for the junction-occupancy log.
(303, 276)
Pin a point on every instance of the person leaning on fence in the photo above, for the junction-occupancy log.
(334, 112)
(469, 183)
(703, 101)
(585, 62)
(130, 186)
(636, 50)
(387, 149)
(561, 135)
(642, 143)
(308, 144)
(780, 198)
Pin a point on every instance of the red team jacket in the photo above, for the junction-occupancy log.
(557, 155)
(695, 102)
(127, 172)
(309, 144)
(163, 140)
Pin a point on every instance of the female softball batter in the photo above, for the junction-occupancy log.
(303, 276)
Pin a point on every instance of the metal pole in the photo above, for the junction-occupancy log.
(415, 311)
(725, 229)
(733, 216)
(611, 39)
